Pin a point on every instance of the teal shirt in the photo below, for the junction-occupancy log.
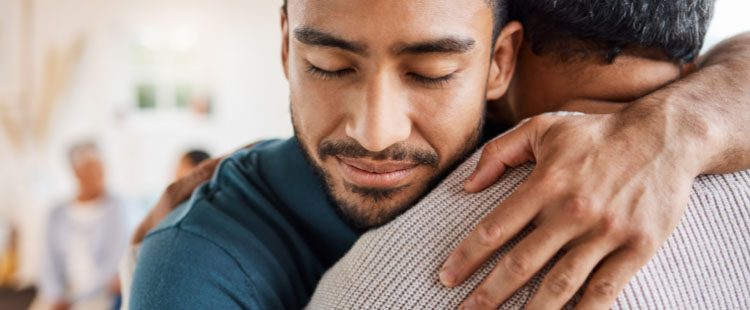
(259, 235)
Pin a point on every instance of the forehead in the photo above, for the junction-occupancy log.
(384, 22)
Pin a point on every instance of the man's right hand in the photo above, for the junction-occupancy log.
(175, 194)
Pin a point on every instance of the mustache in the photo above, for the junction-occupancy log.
(396, 152)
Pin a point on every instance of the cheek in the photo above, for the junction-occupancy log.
(316, 109)
(448, 117)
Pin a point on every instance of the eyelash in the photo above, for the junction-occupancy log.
(432, 82)
(427, 81)
(327, 75)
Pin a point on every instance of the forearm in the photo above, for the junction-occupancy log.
(706, 115)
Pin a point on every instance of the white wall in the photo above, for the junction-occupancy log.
(235, 47)
(730, 18)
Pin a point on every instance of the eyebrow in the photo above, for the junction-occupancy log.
(448, 45)
(311, 36)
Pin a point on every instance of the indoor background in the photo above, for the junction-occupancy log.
(147, 80)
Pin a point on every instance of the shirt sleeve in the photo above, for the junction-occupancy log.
(178, 269)
(117, 242)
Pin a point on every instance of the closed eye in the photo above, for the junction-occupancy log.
(327, 75)
(431, 82)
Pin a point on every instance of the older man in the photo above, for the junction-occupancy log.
(396, 266)
(85, 239)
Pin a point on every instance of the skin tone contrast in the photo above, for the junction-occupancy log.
(359, 108)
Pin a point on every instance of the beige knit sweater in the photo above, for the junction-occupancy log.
(703, 265)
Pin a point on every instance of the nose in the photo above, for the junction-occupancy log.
(381, 117)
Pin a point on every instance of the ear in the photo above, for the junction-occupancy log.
(503, 62)
(285, 43)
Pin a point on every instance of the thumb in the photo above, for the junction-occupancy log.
(510, 149)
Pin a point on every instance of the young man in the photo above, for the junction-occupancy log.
(396, 266)
(386, 97)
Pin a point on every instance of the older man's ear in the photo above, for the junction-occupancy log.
(504, 58)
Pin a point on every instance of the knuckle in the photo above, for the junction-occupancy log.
(462, 254)
(579, 208)
(490, 234)
(604, 288)
(542, 120)
(483, 298)
(517, 265)
(560, 284)
(490, 149)
(545, 233)
(642, 242)
(494, 148)
(608, 225)
(553, 179)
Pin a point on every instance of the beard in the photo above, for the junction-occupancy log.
(382, 205)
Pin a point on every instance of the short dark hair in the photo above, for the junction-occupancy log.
(500, 16)
(197, 156)
(675, 29)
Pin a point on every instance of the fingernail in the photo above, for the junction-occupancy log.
(467, 184)
(447, 278)
(471, 177)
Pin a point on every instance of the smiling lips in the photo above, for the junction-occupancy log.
(375, 173)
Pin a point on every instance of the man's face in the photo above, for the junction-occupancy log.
(387, 95)
(89, 171)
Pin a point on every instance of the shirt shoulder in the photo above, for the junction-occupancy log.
(178, 269)
(232, 244)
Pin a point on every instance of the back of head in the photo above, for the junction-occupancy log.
(197, 156)
(189, 161)
(578, 54)
(673, 29)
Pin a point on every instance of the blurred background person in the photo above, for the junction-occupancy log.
(85, 239)
(189, 161)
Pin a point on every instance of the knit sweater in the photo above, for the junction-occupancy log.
(703, 265)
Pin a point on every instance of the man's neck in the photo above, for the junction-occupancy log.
(89, 196)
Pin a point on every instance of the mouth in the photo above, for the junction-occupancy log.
(375, 173)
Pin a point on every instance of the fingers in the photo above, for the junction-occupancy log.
(504, 222)
(508, 150)
(519, 265)
(568, 275)
(611, 278)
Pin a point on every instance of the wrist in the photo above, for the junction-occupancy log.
(701, 129)
(679, 134)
